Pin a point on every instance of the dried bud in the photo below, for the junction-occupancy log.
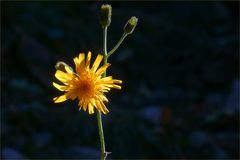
(62, 66)
(106, 14)
(130, 25)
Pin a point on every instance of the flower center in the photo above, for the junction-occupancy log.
(85, 88)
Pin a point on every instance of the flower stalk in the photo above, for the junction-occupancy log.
(101, 135)
(105, 54)
(99, 115)
(117, 45)
(128, 29)
(106, 13)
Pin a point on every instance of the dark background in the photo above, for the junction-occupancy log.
(180, 72)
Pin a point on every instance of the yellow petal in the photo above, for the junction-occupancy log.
(92, 101)
(76, 61)
(84, 104)
(80, 105)
(71, 95)
(62, 76)
(112, 86)
(59, 87)
(107, 79)
(88, 59)
(90, 108)
(97, 62)
(81, 65)
(103, 88)
(103, 98)
(100, 105)
(104, 108)
(117, 86)
(60, 99)
(81, 57)
(117, 81)
(102, 69)
(68, 69)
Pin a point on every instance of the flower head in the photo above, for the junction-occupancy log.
(87, 84)
(106, 14)
(130, 25)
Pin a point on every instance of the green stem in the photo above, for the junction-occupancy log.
(99, 115)
(101, 134)
(105, 55)
(117, 45)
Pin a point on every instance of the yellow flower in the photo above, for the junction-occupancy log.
(87, 84)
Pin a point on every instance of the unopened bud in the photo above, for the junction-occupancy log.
(130, 25)
(106, 14)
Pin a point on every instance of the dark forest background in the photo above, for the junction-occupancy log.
(180, 72)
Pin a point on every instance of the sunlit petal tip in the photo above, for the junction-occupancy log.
(81, 54)
(102, 69)
(55, 84)
(61, 76)
(89, 54)
(117, 87)
(60, 99)
(104, 98)
(108, 65)
(90, 110)
(84, 108)
(100, 55)
(88, 59)
(117, 81)
(76, 61)
(106, 111)
(103, 112)
(59, 87)
(81, 57)
(80, 106)
(68, 69)
(97, 62)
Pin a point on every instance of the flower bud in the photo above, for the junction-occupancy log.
(106, 14)
(130, 25)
